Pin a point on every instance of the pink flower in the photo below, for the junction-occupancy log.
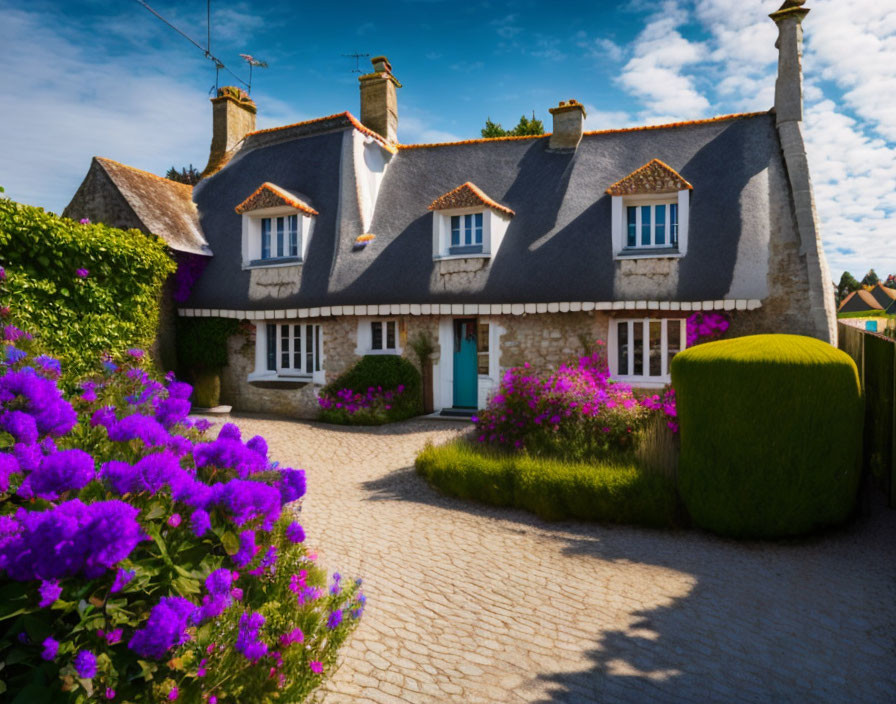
(82, 273)
(86, 221)
(174, 520)
(316, 666)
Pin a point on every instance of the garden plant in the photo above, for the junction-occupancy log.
(378, 389)
(142, 560)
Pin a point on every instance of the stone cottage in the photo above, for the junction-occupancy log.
(335, 241)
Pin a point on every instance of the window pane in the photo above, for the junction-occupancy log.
(293, 235)
(280, 225)
(297, 347)
(645, 224)
(660, 229)
(477, 238)
(284, 346)
(309, 350)
(622, 347)
(390, 335)
(265, 238)
(656, 348)
(468, 229)
(482, 349)
(638, 348)
(317, 348)
(673, 337)
(376, 336)
(271, 334)
(455, 230)
(632, 226)
(673, 223)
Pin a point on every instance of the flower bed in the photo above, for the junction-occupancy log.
(378, 389)
(143, 560)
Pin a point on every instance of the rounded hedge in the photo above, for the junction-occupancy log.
(374, 371)
(771, 434)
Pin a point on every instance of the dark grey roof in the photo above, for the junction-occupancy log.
(557, 246)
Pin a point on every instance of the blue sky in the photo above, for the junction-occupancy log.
(87, 77)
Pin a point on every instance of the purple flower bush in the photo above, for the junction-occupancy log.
(703, 327)
(576, 412)
(373, 401)
(144, 560)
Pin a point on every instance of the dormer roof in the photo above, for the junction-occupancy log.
(468, 195)
(269, 195)
(654, 177)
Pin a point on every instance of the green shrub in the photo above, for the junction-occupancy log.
(613, 490)
(110, 307)
(202, 343)
(771, 430)
(378, 389)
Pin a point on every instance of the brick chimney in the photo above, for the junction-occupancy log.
(569, 121)
(233, 117)
(789, 86)
(379, 107)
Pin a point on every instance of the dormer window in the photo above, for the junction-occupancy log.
(277, 226)
(467, 223)
(650, 213)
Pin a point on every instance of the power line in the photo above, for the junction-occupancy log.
(205, 50)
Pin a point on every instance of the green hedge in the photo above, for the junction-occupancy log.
(613, 491)
(114, 308)
(386, 371)
(202, 343)
(771, 431)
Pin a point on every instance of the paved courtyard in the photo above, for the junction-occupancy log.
(473, 604)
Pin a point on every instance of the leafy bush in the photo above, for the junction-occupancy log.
(202, 343)
(576, 413)
(378, 389)
(613, 491)
(84, 289)
(143, 561)
(771, 430)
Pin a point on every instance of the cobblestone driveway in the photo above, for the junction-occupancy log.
(472, 604)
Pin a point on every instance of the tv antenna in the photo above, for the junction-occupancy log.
(357, 57)
(252, 61)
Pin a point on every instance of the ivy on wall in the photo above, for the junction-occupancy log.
(202, 343)
(84, 289)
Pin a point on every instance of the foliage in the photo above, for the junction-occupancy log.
(847, 285)
(866, 314)
(613, 491)
(891, 281)
(378, 389)
(144, 561)
(188, 175)
(870, 279)
(577, 412)
(84, 289)
(524, 127)
(771, 430)
(423, 347)
(202, 342)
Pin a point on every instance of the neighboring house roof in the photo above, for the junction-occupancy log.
(858, 301)
(883, 295)
(556, 248)
(653, 177)
(268, 195)
(148, 202)
(467, 195)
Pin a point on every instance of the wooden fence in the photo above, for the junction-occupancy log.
(875, 356)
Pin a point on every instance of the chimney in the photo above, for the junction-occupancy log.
(379, 107)
(789, 86)
(233, 117)
(569, 121)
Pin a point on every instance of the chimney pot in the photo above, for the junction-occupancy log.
(569, 123)
(379, 105)
(789, 84)
(233, 117)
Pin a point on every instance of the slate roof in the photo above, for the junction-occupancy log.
(556, 248)
(858, 301)
(165, 207)
(883, 295)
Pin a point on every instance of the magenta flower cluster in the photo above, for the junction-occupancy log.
(703, 327)
(665, 405)
(352, 401)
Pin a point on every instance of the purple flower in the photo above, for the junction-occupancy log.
(49, 365)
(51, 647)
(122, 577)
(20, 425)
(174, 520)
(49, 593)
(295, 533)
(14, 355)
(258, 445)
(294, 636)
(291, 485)
(171, 411)
(200, 522)
(334, 619)
(66, 470)
(228, 453)
(82, 273)
(165, 628)
(173, 694)
(179, 389)
(85, 664)
(113, 636)
(138, 426)
(136, 353)
(247, 549)
(247, 501)
(202, 425)
(104, 416)
(9, 465)
(247, 639)
(41, 399)
(229, 431)
(110, 693)
(84, 221)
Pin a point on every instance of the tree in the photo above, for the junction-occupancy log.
(525, 127)
(847, 285)
(871, 279)
(188, 175)
(891, 281)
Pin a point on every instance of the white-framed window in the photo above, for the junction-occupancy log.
(466, 234)
(279, 237)
(641, 349)
(275, 237)
(384, 335)
(650, 225)
(292, 349)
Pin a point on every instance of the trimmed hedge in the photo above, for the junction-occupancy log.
(386, 371)
(112, 308)
(771, 434)
(612, 491)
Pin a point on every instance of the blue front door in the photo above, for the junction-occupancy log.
(466, 377)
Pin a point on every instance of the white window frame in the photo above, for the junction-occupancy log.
(630, 374)
(494, 226)
(365, 336)
(252, 233)
(289, 372)
(619, 225)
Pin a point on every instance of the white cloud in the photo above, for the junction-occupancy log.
(605, 119)
(417, 130)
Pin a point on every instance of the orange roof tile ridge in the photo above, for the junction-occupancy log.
(478, 192)
(282, 193)
(102, 159)
(650, 163)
